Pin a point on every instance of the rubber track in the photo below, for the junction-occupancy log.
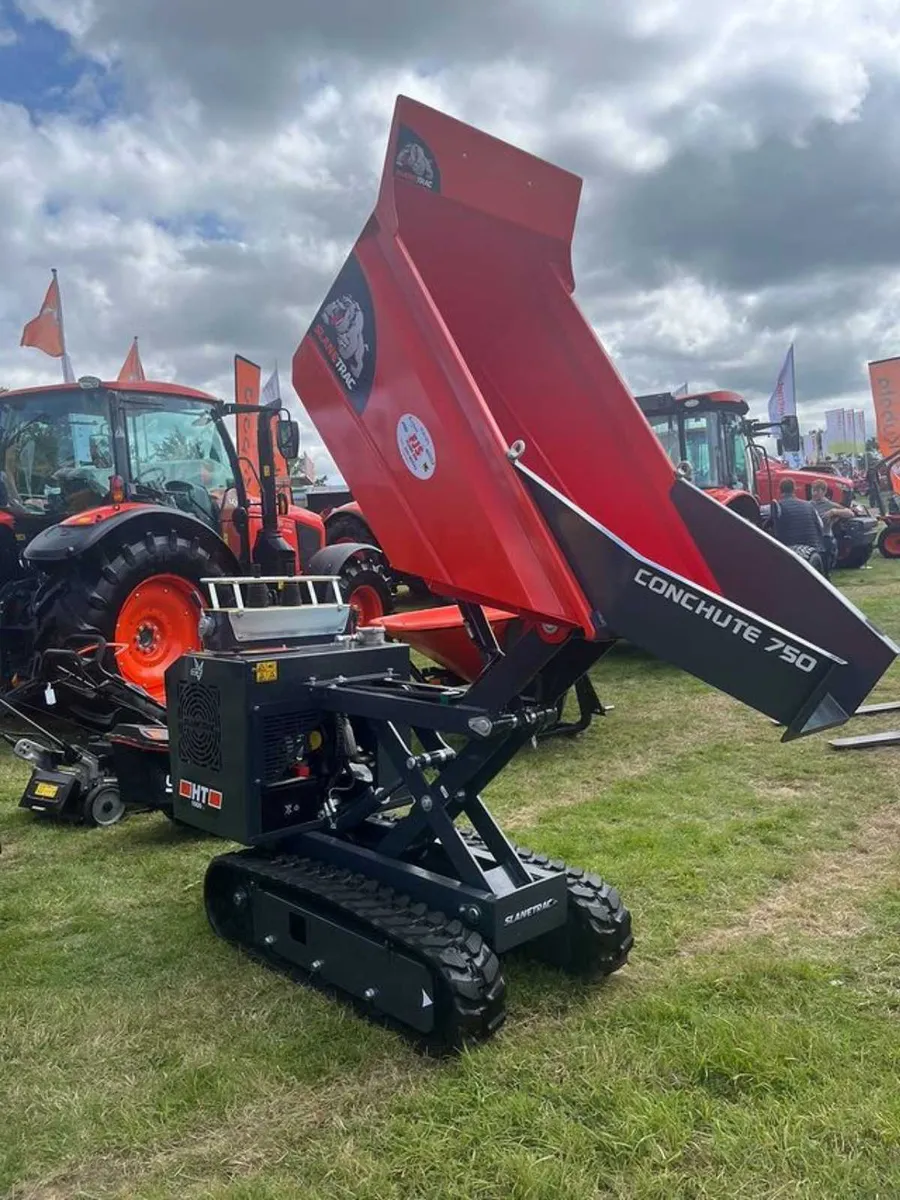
(597, 938)
(470, 990)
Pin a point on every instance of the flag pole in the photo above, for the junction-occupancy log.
(66, 365)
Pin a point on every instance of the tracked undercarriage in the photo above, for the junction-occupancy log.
(307, 754)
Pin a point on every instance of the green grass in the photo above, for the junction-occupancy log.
(750, 1049)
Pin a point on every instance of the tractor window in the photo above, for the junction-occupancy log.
(666, 430)
(703, 452)
(735, 450)
(173, 440)
(56, 451)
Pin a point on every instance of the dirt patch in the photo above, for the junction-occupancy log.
(825, 901)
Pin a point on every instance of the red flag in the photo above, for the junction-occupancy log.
(132, 368)
(45, 331)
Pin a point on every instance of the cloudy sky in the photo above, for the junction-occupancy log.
(198, 169)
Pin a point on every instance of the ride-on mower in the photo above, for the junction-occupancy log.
(460, 389)
(115, 502)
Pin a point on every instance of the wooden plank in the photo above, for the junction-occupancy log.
(890, 738)
(869, 710)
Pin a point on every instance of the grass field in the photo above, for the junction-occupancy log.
(750, 1049)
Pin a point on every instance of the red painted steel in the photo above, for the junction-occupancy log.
(439, 634)
(450, 334)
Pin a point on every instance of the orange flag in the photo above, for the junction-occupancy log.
(884, 379)
(132, 368)
(247, 383)
(45, 331)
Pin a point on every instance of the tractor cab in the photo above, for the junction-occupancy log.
(118, 501)
(67, 450)
(704, 435)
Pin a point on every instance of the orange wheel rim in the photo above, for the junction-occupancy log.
(892, 542)
(367, 603)
(157, 624)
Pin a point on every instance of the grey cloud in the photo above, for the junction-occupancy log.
(776, 212)
(741, 177)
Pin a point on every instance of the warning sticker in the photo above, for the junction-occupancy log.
(416, 447)
(266, 672)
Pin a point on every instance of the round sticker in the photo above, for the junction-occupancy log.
(416, 447)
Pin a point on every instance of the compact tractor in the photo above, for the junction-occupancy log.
(710, 433)
(117, 501)
(472, 411)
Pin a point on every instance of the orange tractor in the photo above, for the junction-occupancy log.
(116, 501)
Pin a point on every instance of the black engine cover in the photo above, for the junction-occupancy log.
(234, 721)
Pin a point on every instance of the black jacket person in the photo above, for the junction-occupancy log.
(796, 521)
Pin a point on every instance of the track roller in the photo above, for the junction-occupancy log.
(395, 960)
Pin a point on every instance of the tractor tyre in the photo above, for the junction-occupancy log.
(141, 593)
(366, 586)
(814, 557)
(347, 528)
(889, 542)
(857, 558)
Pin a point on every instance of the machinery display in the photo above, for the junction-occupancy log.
(878, 479)
(710, 432)
(116, 501)
(474, 414)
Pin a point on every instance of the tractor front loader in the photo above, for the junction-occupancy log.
(470, 406)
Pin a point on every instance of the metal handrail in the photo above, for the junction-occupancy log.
(236, 582)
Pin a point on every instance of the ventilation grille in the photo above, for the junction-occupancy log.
(199, 725)
(280, 732)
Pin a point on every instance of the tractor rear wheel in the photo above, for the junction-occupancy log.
(346, 527)
(366, 586)
(142, 594)
(889, 541)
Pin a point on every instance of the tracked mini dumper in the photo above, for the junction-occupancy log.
(468, 402)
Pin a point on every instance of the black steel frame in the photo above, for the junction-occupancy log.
(423, 854)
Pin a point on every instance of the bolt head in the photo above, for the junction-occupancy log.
(370, 993)
(239, 899)
(427, 804)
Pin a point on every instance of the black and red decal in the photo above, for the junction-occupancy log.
(344, 332)
(414, 161)
(199, 795)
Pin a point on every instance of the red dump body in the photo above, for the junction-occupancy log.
(473, 340)
(499, 455)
